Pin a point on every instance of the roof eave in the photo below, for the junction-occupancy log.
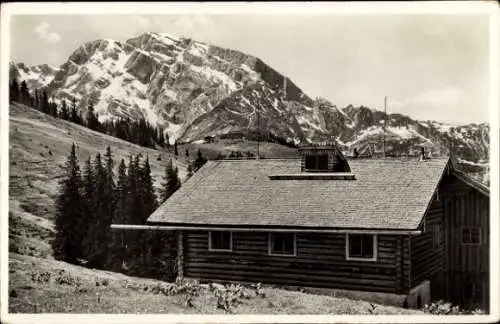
(260, 228)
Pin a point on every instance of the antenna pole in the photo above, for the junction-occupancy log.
(258, 132)
(383, 129)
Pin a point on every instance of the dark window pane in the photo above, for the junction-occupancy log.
(311, 162)
(367, 246)
(361, 245)
(323, 162)
(471, 235)
(355, 246)
(282, 243)
(221, 240)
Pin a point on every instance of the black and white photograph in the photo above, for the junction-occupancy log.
(239, 162)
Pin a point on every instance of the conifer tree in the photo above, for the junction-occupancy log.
(147, 190)
(36, 100)
(189, 171)
(89, 200)
(14, 91)
(92, 121)
(169, 182)
(24, 94)
(64, 110)
(175, 149)
(69, 211)
(118, 248)
(45, 103)
(73, 113)
(104, 208)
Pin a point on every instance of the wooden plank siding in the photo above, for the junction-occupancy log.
(320, 262)
(464, 206)
(427, 261)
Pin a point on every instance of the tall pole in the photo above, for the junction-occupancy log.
(258, 131)
(385, 121)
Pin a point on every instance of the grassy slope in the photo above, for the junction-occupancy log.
(33, 185)
(92, 291)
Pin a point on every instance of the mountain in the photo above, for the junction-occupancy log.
(37, 76)
(195, 90)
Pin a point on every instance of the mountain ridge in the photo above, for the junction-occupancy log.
(194, 90)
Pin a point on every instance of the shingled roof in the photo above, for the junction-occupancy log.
(386, 194)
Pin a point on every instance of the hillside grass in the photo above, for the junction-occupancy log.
(48, 286)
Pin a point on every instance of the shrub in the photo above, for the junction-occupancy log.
(446, 308)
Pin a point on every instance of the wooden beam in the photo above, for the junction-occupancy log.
(252, 229)
(180, 256)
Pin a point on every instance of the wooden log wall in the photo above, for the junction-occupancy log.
(426, 260)
(320, 262)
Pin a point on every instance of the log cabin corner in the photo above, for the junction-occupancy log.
(411, 227)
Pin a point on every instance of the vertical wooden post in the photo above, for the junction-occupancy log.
(399, 265)
(180, 256)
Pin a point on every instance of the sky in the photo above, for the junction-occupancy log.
(431, 67)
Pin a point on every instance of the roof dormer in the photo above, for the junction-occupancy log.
(323, 158)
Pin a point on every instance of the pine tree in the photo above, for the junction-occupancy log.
(64, 110)
(118, 248)
(103, 211)
(187, 153)
(14, 91)
(189, 171)
(45, 103)
(89, 201)
(169, 182)
(53, 109)
(92, 121)
(148, 192)
(24, 94)
(67, 244)
(35, 99)
(175, 149)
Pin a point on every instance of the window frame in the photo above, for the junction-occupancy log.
(270, 245)
(375, 248)
(480, 235)
(211, 248)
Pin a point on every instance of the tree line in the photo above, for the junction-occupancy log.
(139, 132)
(92, 199)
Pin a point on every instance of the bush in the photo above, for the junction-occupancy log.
(446, 308)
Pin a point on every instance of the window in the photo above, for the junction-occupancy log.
(317, 162)
(361, 247)
(282, 244)
(220, 241)
(471, 235)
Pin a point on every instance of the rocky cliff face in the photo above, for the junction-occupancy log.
(194, 90)
(36, 76)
